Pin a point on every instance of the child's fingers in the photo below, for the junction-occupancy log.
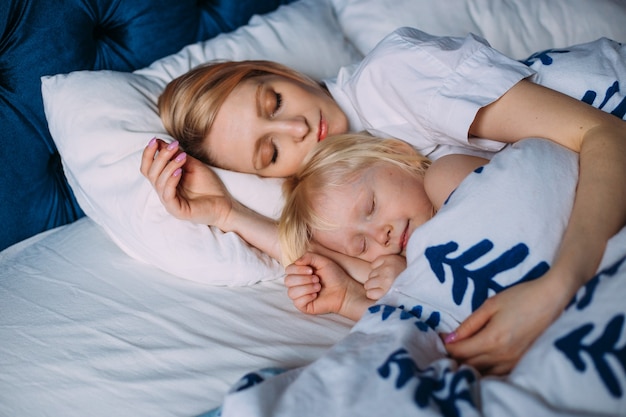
(298, 269)
(371, 283)
(303, 303)
(299, 291)
(375, 293)
(314, 260)
(294, 280)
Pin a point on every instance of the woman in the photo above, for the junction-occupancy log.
(442, 95)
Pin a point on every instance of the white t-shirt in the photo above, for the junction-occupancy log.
(426, 90)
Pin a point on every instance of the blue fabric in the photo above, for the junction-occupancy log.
(45, 37)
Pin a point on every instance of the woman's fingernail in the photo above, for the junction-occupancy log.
(181, 157)
(451, 337)
(172, 145)
(177, 172)
(152, 142)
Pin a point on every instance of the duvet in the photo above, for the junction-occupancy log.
(393, 361)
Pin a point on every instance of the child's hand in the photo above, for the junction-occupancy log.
(385, 270)
(189, 189)
(317, 285)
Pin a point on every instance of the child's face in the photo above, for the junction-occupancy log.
(267, 125)
(376, 213)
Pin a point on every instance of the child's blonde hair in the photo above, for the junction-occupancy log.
(335, 162)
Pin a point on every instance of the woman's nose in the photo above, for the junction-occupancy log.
(296, 128)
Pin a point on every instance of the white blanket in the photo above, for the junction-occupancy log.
(393, 362)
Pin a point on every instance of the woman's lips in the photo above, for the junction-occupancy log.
(322, 131)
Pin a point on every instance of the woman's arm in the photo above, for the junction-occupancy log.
(192, 191)
(495, 336)
(530, 110)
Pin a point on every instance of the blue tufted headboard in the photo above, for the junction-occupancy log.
(44, 37)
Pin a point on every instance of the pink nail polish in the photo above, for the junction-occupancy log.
(181, 157)
(152, 142)
(172, 145)
(451, 337)
(177, 172)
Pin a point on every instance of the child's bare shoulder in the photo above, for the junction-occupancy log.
(446, 173)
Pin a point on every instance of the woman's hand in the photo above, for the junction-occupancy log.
(189, 189)
(385, 270)
(496, 335)
(318, 285)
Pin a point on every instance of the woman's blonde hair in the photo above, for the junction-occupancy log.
(189, 103)
(335, 162)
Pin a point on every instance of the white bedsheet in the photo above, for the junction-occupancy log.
(87, 330)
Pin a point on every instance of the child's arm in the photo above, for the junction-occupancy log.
(318, 285)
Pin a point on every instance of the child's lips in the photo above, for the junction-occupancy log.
(404, 238)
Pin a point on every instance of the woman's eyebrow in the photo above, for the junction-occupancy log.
(256, 157)
(258, 99)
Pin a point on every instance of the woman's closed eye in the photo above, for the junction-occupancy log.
(278, 103)
(268, 153)
(274, 154)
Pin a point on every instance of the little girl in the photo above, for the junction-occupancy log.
(363, 197)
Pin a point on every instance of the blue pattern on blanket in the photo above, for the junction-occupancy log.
(573, 347)
(415, 312)
(544, 56)
(484, 277)
(443, 389)
(590, 287)
(560, 69)
(619, 110)
(604, 346)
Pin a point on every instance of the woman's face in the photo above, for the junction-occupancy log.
(375, 214)
(268, 124)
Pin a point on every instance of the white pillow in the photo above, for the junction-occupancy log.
(101, 121)
(514, 27)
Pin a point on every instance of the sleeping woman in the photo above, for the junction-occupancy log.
(441, 95)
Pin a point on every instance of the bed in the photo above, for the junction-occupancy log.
(109, 306)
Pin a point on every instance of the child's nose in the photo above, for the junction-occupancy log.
(384, 236)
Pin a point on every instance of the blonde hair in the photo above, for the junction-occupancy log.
(189, 103)
(335, 162)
